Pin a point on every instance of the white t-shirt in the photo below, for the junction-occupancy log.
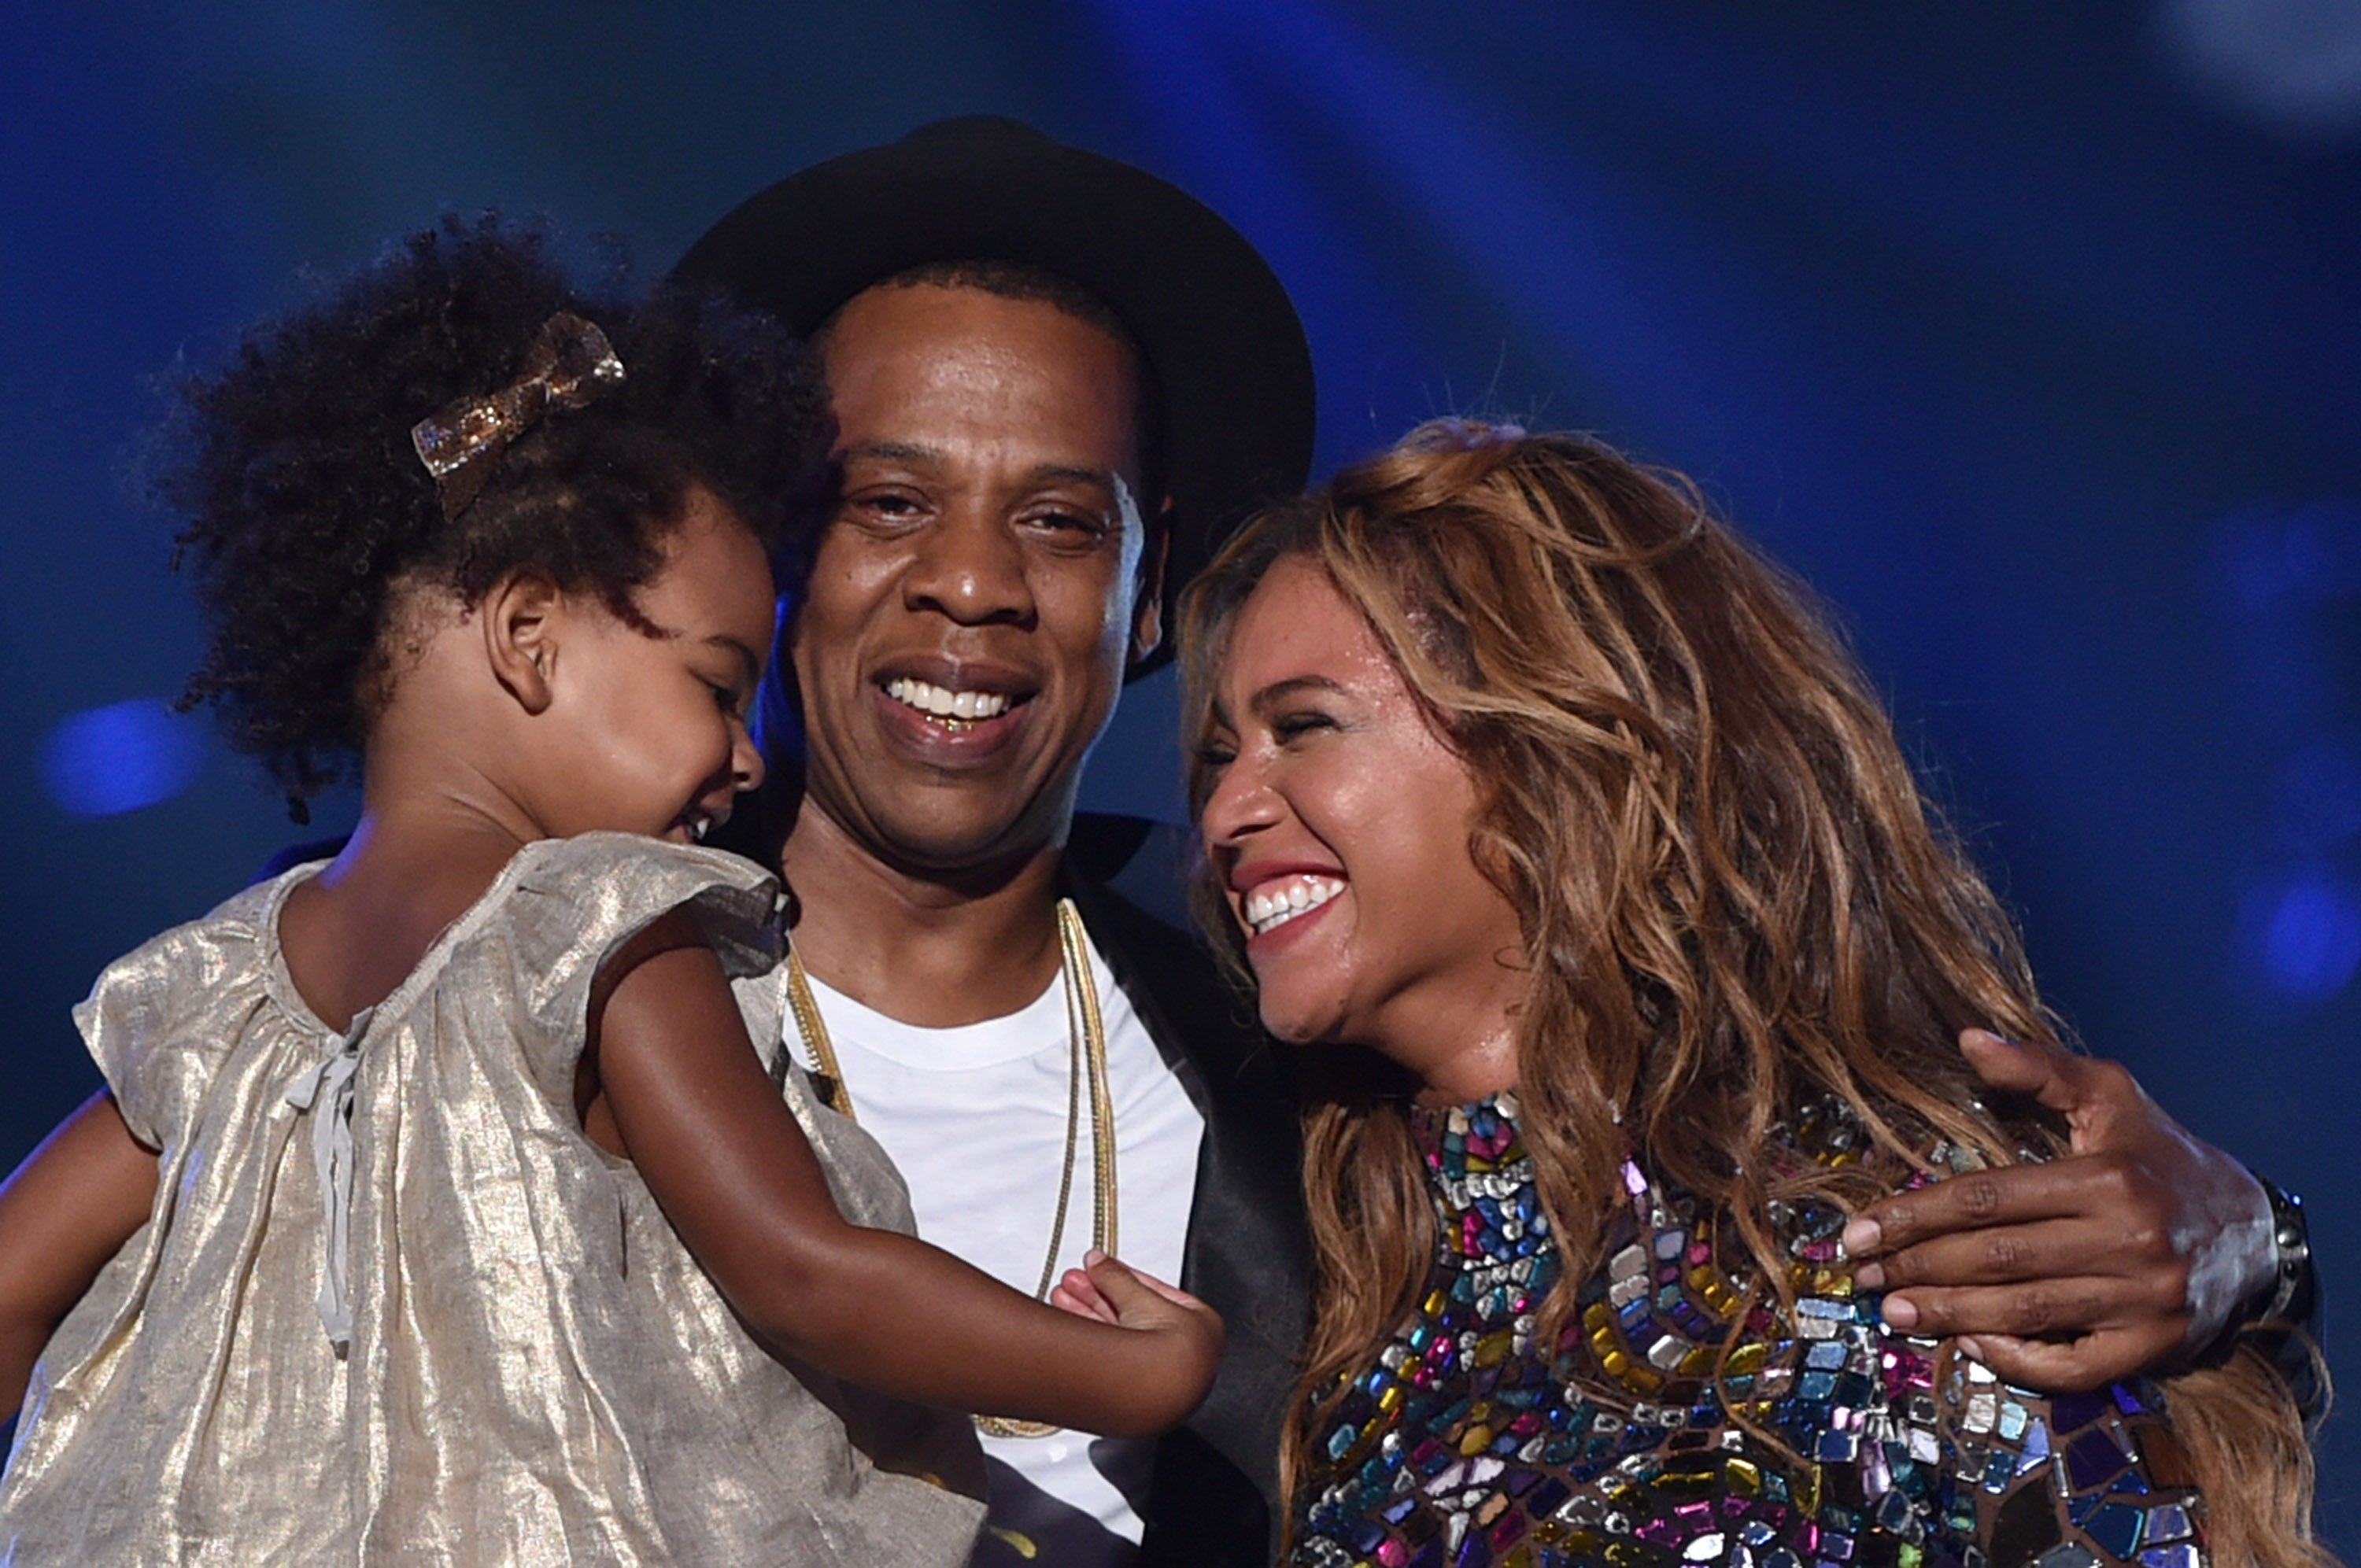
(975, 1118)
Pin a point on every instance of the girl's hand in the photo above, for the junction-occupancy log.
(1075, 1292)
(1115, 1294)
(1078, 1293)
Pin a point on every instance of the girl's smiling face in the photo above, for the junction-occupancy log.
(1337, 819)
(652, 733)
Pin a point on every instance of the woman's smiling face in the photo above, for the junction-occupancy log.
(1337, 819)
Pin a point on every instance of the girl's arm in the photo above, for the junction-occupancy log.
(68, 1208)
(723, 1156)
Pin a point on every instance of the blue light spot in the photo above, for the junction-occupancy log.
(2311, 938)
(105, 761)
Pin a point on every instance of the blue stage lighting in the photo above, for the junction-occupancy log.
(105, 761)
(2312, 942)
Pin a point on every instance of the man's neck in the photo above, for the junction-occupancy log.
(932, 950)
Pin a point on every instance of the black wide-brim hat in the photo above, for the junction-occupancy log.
(1219, 333)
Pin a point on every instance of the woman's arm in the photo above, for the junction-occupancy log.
(68, 1210)
(734, 1172)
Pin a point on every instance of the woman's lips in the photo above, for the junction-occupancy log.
(1273, 903)
(1276, 910)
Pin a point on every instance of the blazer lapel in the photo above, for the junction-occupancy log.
(1249, 1251)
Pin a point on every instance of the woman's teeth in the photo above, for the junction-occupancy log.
(1274, 903)
(942, 702)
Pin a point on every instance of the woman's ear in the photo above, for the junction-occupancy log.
(521, 618)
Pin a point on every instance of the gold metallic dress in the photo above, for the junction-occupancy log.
(393, 1307)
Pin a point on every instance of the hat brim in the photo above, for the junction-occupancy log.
(1217, 329)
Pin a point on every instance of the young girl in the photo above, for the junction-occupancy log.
(439, 1207)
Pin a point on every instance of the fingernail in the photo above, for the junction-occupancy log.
(1093, 1256)
(1970, 1349)
(1869, 1276)
(1899, 1313)
(1860, 1237)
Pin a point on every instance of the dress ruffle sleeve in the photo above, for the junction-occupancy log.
(160, 1020)
(578, 901)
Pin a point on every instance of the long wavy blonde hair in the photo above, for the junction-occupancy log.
(1732, 896)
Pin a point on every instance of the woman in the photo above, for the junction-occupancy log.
(1566, 828)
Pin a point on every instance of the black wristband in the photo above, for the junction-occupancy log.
(2291, 1297)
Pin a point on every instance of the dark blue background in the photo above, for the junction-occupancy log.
(2028, 333)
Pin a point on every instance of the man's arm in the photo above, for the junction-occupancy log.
(2140, 1248)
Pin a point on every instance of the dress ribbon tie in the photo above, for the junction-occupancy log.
(326, 1091)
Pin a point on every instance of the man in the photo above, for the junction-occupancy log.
(1018, 488)
(1058, 381)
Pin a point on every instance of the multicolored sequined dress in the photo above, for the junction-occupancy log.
(1467, 1445)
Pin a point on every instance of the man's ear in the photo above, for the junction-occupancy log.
(1147, 611)
(521, 617)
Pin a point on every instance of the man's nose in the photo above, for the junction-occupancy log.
(969, 567)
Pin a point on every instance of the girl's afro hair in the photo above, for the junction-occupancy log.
(306, 507)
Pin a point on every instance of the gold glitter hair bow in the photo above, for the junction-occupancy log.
(570, 363)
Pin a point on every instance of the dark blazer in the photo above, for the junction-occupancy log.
(1212, 1496)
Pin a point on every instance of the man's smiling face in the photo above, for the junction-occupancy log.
(981, 580)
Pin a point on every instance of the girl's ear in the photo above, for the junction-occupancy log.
(521, 616)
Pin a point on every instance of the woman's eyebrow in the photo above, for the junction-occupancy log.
(1278, 692)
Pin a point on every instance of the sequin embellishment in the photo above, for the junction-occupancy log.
(1468, 1446)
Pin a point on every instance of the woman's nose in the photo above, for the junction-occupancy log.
(1242, 801)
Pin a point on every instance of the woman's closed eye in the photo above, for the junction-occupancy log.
(1297, 724)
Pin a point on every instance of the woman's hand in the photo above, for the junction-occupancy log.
(2123, 1256)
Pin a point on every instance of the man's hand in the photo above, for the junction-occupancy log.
(2120, 1258)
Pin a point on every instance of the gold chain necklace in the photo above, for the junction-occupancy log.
(1088, 1036)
